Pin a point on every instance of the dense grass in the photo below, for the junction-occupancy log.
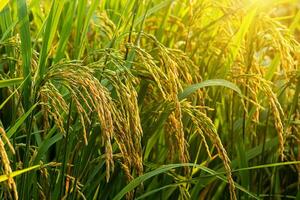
(154, 99)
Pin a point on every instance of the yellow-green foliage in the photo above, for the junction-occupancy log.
(149, 99)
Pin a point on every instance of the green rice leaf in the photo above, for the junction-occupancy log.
(11, 95)
(20, 121)
(10, 82)
(17, 173)
(3, 3)
(137, 181)
(25, 50)
(208, 83)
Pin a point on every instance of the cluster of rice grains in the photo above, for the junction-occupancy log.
(87, 94)
(172, 69)
(235, 49)
(6, 163)
(260, 78)
(130, 90)
(118, 116)
(204, 126)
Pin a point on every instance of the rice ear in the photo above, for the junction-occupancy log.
(6, 163)
(205, 125)
(88, 95)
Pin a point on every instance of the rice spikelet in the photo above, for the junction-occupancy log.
(6, 163)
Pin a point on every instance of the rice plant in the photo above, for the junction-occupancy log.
(149, 99)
